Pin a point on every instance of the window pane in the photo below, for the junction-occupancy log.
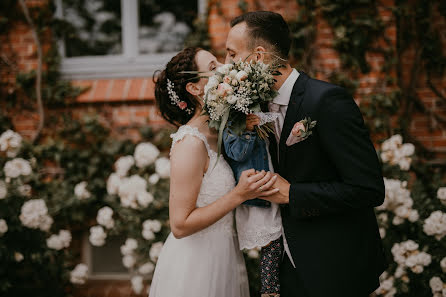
(93, 27)
(107, 259)
(165, 24)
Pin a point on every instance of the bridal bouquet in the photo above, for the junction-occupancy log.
(236, 90)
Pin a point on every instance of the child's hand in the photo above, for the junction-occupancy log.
(251, 121)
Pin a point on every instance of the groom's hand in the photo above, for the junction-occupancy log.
(283, 195)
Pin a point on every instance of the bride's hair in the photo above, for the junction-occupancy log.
(183, 61)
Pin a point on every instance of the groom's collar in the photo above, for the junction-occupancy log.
(283, 98)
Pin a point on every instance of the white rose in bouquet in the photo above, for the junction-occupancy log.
(145, 154)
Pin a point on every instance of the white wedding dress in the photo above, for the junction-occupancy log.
(209, 262)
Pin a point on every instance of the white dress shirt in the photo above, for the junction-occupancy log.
(282, 100)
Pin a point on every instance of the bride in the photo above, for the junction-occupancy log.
(201, 256)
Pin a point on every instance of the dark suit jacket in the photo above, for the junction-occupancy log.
(336, 181)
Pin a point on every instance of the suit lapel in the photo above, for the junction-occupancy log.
(294, 106)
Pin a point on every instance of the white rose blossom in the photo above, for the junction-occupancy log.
(155, 251)
(113, 183)
(386, 287)
(137, 284)
(3, 190)
(162, 167)
(59, 241)
(34, 215)
(24, 190)
(79, 274)
(399, 201)
(17, 167)
(253, 253)
(10, 142)
(154, 178)
(128, 261)
(441, 194)
(394, 152)
(81, 192)
(133, 190)
(407, 255)
(123, 165)
(148, 234)
(145, 154)
(129, 246)
(97, 236)
(443, 264)
(18, 257)
(435, 225)
(105, 217)
(436, 284)
(3, 227)
(146, 268)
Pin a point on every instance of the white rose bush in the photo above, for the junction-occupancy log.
(412, 223)
(54, 193)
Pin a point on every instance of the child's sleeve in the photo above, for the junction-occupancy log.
(238, 148)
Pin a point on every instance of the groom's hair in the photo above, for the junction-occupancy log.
(268, 27)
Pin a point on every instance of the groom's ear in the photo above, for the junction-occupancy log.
(260, 52)
(193, 89)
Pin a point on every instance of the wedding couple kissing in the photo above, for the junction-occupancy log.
(304, 194)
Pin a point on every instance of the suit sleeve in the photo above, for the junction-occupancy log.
(344, 137)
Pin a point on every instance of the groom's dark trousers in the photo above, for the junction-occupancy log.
(336, 181)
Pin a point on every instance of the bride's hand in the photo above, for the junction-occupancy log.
(252, 185)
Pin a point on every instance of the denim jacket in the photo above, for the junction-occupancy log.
(245, 152)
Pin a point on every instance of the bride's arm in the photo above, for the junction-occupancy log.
(188, 164)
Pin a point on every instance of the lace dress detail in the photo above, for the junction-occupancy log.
(209, 262)
(217, 181)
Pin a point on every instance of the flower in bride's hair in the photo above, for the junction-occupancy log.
(182, 105)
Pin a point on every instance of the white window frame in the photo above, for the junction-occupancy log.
(87, 258)
(128, 64)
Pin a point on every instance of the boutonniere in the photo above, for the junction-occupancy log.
(301, 131)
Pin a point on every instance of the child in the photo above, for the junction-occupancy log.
(258, 221)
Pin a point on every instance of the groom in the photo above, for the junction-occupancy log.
(330, 179)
